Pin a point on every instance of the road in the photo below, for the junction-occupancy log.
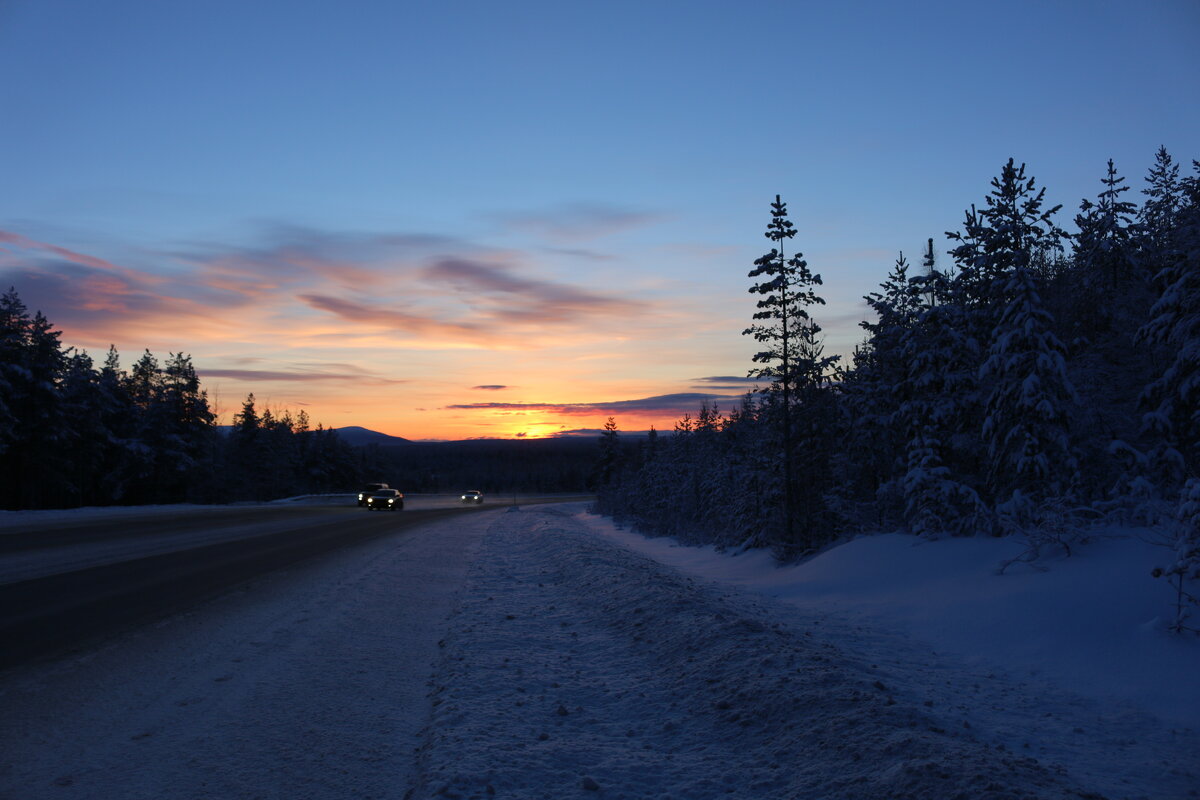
(292, 682)
(70, 575)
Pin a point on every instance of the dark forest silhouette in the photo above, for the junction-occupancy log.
(74, 434)
(1039, 384)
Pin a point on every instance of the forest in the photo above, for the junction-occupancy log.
(1039, 384)
(74, 434)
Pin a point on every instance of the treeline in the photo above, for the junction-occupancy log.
(1038, 381)
(74, 434)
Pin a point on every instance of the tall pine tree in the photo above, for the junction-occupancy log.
(792, 356)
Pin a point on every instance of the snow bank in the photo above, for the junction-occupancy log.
(575, 666)
(1091, 622)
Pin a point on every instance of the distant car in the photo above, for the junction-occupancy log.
(368, 490)
(473, 496)
(385, 500)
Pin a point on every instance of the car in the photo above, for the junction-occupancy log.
(385, 499)
(473, 496)
(368, 489)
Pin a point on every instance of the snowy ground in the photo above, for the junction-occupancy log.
(570, 659)
(1094, 621)
(577, 663)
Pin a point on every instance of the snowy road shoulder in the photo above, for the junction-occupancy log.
(574, 664)
(1091, 622)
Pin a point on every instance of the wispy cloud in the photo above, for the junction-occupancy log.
(579, 221)
(16, 240)
(579, 252)
(438, 291)
(587, 433)
(301, 376)
(727, 382)
(395, 319)
(679, 404)
(91, 300)
(502, 296)
(491, 387)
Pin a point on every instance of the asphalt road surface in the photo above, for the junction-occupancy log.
(68, 578)
(304, 680)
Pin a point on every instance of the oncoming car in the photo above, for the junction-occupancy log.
(368, 490)
(473, 496)
(385, 499)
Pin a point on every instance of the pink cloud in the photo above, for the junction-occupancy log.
(393, 319)
(353, 278)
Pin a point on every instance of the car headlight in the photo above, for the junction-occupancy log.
(360, 497)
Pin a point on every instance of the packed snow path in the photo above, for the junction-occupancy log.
(563, 665)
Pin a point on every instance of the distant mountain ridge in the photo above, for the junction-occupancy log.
(354, 435)
(357, 435)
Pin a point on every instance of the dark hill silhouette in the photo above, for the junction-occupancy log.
(357, 435)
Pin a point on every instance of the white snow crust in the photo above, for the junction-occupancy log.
(576, 665)
(1094, 621)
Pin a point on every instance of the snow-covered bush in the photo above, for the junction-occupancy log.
(1183, 571)
(935, 503)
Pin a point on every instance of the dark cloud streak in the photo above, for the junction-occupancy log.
(580, 221)
(298, 377)
(686, 402)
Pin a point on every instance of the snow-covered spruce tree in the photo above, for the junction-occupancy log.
(1032, 459)
(935, 502)
(189, 426)
(1013, 231)
(123, 420)
(939, 413)
(1104, 252)
(605, 471)
(1024, 377)
(87, 438)
(750, 473)
(820, 429)
(713, 479)
(791, 357)
(1100, 301)
(1173, 400)
(14, 322)
(32, 362)
(1159, 215)
(872, 457)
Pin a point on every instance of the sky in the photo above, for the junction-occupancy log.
(473, 219)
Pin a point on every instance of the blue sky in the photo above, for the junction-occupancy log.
(372, 208)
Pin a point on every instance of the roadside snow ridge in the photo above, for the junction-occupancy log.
(576, 668)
